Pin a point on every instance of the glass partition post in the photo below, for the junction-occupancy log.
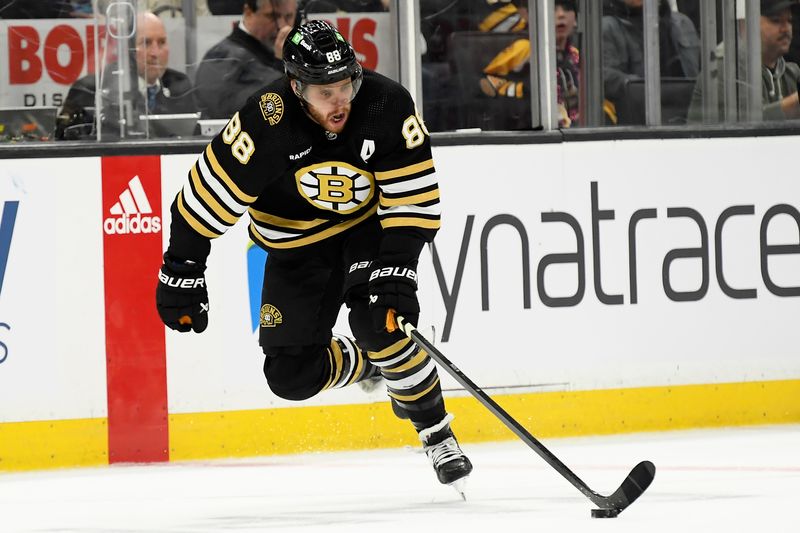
(542, 82)
(409, 34)
(591, 65)
(752, 101)
(119, 82)
(190, 36)
(708, 59)
(652, 66)
(98, 65)
(729, 43)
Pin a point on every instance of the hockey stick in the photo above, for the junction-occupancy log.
(609, 506)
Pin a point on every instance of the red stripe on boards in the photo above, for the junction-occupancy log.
(135, 344)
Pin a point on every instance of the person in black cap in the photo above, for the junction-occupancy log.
(779, 78)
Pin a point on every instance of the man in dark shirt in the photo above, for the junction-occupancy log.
(161, 89)
(623, 52)
(247, 59)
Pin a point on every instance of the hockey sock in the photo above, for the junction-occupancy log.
(412, 382)
(348, 364)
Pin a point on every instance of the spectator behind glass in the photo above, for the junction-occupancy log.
(508, 73)
(162, 90)
(623, 48)
(247, 59)
(779, 78)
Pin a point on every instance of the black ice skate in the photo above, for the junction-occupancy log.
(440, 445)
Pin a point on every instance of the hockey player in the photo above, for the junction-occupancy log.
(334, 165)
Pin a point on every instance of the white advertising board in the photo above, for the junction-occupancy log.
(52, 344)
(701, 274)
(573, 325)
(559, 267)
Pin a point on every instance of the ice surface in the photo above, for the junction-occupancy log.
(742, 479)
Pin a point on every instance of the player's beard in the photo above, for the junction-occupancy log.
(333, 121)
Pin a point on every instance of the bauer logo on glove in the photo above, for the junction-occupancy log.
(394, 272)
(182, 295)
(181, 283)
(393, 288)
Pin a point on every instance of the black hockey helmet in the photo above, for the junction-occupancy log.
(317, 54)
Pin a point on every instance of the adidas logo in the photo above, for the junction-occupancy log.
(127, 212)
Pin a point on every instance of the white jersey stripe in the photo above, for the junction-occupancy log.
(274, 235)
(213, 182)
(199, 207)
(410, 185)
(434, 209)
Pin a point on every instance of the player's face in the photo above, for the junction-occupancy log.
(329, 105)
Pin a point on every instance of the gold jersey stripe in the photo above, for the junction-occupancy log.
(405, 171)
(220, 172)
(403, 222)
(410, 200)
(417, 360)
(210, 201)
(316, 237)
(193, 222)
(412, 397)
(273, 220)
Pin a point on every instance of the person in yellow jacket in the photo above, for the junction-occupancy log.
(508, 74)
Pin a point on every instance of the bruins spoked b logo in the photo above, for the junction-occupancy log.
(270, 316)
(271, 108)
(336, 186)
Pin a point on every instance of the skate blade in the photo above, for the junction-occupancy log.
(459, 485)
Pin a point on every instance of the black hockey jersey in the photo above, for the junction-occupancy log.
(301, 184)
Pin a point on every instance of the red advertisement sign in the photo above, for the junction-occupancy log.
(135, 343)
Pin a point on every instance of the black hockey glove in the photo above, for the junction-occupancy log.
(182, 295)
(393, 287)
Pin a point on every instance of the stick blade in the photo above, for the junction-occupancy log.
(634, 486)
